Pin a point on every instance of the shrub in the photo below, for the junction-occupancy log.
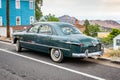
(115, 53)
(109, 39)
(106, 41)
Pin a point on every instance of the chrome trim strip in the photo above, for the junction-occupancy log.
(45, 45)
(87, 55)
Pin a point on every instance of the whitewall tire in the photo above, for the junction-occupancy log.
(56, 55)
(18, 46)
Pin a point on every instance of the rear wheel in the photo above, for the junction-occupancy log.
(56, 55)
(18, 46)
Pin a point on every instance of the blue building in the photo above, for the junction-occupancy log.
(21, 12)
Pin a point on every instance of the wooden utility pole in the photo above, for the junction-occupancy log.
(8, 18)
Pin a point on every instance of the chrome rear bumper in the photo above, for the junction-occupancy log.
(99, 53)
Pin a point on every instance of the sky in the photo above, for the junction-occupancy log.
(83, 9)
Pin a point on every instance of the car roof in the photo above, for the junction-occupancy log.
(51, 23)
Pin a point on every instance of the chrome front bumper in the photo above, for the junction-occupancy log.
(99, 53)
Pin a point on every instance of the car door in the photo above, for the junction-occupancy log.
(30, 37)
(44, 37)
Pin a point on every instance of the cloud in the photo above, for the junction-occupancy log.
(111, 2)
(82, 8)
(110, 6)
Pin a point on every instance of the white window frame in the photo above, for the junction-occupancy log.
(31, 4)
(1, 23)
(19, 20)
(17, 7)
(31, 21)
(0, 3)
(118, 42)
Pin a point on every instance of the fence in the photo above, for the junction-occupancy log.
(3, 31)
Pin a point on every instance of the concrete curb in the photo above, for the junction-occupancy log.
(109, 59)
(9, 41)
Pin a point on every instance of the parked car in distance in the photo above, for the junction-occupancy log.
(59, 40)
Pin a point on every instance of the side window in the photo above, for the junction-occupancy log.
(31, 4)
(18, 20)
(17, 2)
(31, 19)
(118, 42)
(0, 4)
(0, 21)
(45, 29)
(34, 29)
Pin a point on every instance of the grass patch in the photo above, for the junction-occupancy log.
(114, 53)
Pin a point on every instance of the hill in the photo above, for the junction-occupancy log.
(66, 18)
(103, 23)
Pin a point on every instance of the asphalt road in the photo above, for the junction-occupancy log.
(31, 65)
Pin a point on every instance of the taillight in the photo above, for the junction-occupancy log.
(81, 45)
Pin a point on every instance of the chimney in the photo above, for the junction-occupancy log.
(76, 21)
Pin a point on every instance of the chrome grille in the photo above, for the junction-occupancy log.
(94, 48)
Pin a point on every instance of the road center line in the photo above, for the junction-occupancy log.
(54, 65)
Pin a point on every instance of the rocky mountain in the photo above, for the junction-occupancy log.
(66, 18)
(102, 23)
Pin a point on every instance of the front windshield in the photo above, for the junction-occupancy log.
(68, 29)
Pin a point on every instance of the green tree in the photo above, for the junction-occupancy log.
(38, 12)
(51, 17)
(93, 30)
(106, 40)
(114, 33)
(109, 40)
(86, 24)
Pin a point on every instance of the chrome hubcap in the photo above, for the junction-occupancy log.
(56, 54)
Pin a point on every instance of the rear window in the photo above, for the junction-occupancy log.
(67, 29)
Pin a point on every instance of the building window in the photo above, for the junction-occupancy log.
(0, 21)
(31, 19)
(118, 42)
(0, 4)
(17, 4)
(18, 20)
(31, 4)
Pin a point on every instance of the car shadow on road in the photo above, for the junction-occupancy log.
(78, 61)
(46, 57)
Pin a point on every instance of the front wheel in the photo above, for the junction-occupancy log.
(18, 46)
(56, 55)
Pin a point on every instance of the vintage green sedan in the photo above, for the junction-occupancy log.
(59, 40)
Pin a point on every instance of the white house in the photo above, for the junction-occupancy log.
(116, 42)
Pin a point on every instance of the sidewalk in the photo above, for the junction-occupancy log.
(4, 39)
(104, 57)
